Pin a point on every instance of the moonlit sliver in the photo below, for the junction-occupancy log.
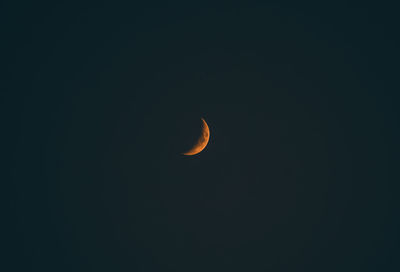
(201, 142)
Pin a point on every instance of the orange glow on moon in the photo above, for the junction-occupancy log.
(202, 142)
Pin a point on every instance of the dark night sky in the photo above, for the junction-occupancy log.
(301, 171)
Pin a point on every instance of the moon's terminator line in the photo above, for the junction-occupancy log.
(201, 142)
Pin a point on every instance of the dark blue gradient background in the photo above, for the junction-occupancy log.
(301, 171)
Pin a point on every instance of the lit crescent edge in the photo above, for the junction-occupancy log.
(202, 142)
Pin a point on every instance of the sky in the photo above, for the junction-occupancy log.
(301, 169)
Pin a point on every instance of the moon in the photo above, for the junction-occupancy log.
(201, 142)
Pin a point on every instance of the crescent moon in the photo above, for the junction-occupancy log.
(201, 142)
